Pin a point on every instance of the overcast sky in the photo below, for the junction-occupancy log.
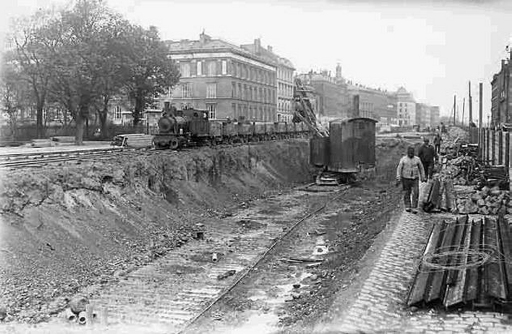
(432, 48)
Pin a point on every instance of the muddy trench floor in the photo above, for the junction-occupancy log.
(288, 291)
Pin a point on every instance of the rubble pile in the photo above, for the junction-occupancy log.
(486, 201)
(457, 134)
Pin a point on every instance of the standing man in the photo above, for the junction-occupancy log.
(437, 143)
(409, 171)
(427, 155)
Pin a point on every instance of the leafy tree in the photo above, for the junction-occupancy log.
(14, 94)
(82, 57)
(32, 59)
(153, 72)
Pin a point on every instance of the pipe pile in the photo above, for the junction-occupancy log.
(465, 264)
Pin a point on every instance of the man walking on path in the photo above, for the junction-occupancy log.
(409, 171)
(427, 155)
(437, 143)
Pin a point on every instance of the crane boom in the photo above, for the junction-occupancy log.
(304, 111)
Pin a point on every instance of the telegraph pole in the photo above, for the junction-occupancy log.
(454, 107)
(463, 104)
(480, 104)
(470, 102)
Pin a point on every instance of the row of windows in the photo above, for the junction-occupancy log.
(251, 112)
(284, 90)
(236, 69)
(284, 118)
(212, 68)
(284, 106)
(186, 90)
(285, 75)
(252, 93)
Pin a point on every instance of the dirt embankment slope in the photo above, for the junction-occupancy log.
(66, 227)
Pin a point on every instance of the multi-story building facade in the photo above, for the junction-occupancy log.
(501, 109)
(331, 92)
(406, 108)
(434, 116)
(225, 79)
(375, 103)
(378, 104)
(284, 76)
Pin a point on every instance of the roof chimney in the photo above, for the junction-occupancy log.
(257, 45)
(203, 38)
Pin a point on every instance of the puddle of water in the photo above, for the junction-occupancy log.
(257, 323)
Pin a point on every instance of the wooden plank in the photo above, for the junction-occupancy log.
(506, 250)
(418, 289)
(472, 286)
(495, 284)
(437, 290)
(455, 294)
(457, 246)
(483, 274)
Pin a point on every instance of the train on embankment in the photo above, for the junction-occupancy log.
(187, 127)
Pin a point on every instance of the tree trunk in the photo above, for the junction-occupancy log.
(80, 121)
(137, 113)
(39, 120)
(103, 121)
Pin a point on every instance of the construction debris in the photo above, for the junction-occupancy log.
(486, 201)
(466, 264)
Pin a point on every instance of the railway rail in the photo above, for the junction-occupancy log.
(175, 291)
(38, 160)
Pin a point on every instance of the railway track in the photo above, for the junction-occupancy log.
(39, 160)
(172, 293)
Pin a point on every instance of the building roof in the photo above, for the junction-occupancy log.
(267, 53)
(206, 43)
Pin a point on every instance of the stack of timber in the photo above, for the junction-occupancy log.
(136, 140)
(466, 265)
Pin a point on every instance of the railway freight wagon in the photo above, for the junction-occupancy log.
(349, 149)
(180, 128)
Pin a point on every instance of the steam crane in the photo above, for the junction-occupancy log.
(344, 151)
(304, 111)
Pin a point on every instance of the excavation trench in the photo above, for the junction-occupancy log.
(70, 229)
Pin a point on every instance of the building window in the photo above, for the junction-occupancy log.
(211, 90)
(235, 113)
(212, 68)
(224, 67)
(233, 89)
(117, 112)
(239, 91)
(199, 68)
(211, 110)
(185, 90)
(185, 69)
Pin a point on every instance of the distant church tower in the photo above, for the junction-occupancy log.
(339, 77)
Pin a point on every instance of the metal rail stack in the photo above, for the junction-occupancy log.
(466, 264)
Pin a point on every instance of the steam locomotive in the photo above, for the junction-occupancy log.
(180, 128)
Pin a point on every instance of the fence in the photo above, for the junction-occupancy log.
(494, 147)
(29, 132)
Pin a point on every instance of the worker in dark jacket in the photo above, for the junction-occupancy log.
(437, 143)
(427, 155)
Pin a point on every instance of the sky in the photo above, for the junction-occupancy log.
(433, 48)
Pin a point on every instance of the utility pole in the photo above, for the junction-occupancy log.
(470, 102)
(454, 107)
(463, 103)
(480, 104)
